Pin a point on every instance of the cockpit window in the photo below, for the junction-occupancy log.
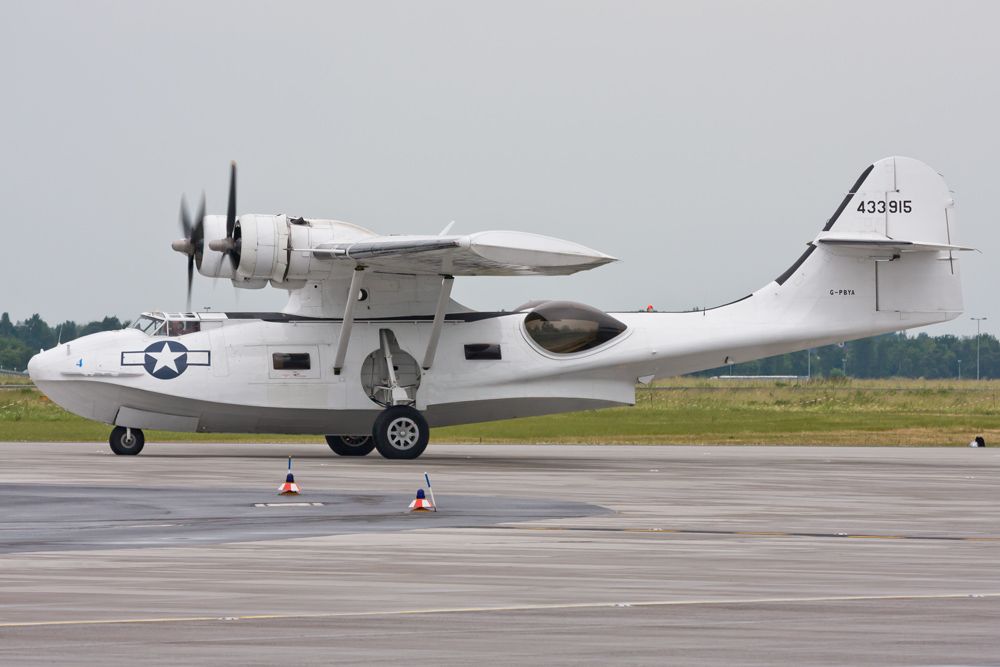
(179, 328)
(150, 326)
(155, 326)
(564, 327)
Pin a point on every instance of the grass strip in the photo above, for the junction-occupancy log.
(676, 411)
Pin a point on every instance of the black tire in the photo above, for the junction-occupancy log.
(351, 445)
(400, 432)
(126, 442)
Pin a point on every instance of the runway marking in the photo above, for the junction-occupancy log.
(749, 533)
(288, 504)
(524, 607)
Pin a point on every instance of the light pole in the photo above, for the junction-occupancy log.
(959, 369)
(979, 321)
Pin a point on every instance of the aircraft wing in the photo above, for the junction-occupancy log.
(493, 253)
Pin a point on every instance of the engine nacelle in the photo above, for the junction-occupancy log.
(263, 251)
(304, 266)
(274, 249)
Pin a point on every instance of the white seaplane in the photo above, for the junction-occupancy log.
(372, 350)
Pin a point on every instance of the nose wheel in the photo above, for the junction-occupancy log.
(126, 441)
(400, 432)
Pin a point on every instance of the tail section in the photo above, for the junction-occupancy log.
(887, 254)
(887, 260)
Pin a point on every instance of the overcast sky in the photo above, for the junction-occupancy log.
(702, 143)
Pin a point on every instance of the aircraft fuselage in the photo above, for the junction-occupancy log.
(277, 374)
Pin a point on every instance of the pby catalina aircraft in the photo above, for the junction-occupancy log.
(372, 350)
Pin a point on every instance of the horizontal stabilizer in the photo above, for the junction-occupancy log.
(874, 241)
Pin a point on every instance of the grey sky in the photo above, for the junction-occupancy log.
(702, 143)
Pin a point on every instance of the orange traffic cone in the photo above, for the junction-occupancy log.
(420, 503)
(289, 488)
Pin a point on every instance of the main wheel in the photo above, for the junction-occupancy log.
(400, 432)
(125, 441)
(351, 445)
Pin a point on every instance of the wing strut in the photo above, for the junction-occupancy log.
(442, 304)
(357, 280)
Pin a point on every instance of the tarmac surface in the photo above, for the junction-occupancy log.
(538, 555)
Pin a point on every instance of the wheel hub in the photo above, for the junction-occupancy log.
(403, 433)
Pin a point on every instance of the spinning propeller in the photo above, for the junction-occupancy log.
(230, 246)
(193, 243)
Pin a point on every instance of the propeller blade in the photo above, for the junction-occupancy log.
(198, 229)
(193, 243)
(185, 221)
(190, 280)
(231, 211)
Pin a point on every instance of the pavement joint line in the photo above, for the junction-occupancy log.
(525, 607)
(750, 533)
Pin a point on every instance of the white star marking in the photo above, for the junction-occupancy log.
(165, 358)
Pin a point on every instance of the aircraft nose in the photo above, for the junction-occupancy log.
(38, 365)
(34, 365)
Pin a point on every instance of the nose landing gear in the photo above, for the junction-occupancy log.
(126, 441)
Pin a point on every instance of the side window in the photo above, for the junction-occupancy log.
(298, 362)
(482, 351)
(180, 327)
(291, 361)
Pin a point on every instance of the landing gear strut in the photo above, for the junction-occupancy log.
(351, 445)
(400, 432)
(126, 441)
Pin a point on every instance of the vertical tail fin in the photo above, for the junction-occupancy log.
(888, 249)
(886, 261)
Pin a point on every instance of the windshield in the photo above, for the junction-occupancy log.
(150, 326)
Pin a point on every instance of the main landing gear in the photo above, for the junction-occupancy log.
(126, 441)
(400, 432)
(351, 445)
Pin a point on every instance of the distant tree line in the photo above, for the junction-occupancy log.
(891, 355)
(18, 342)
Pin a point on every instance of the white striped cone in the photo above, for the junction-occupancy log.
(289, 488)
(420, 503)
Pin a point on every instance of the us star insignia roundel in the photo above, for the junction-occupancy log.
(166, 359)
